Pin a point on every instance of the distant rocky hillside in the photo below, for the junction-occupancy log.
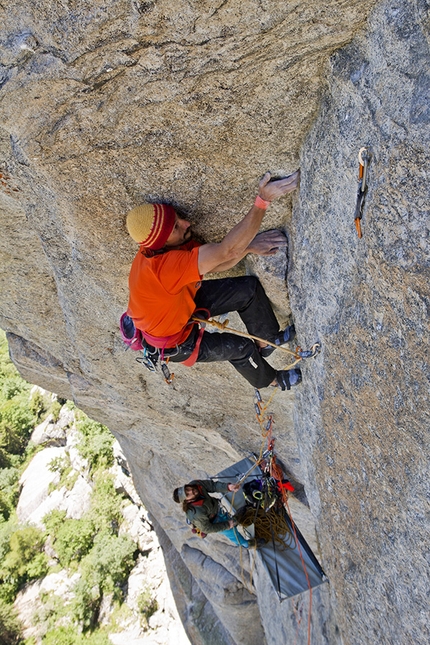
(60, 482)
(79, 558)
(110, 103)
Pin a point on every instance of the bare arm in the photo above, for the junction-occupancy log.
(236, 243)
(266, 243)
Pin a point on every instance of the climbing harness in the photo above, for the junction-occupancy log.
(363, 160)
(141, 341)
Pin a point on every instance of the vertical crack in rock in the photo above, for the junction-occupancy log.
(364, 414)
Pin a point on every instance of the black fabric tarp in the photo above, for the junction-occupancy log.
(286, 566)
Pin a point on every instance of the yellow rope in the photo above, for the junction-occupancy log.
(269, 524)
(222, 326)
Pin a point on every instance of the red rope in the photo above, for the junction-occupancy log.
(285, 500)
(276, 472)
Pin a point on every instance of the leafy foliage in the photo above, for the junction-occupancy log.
(96, 443)
(104, 570)
(91, 545)
(16, 415)
(74, 539)
(24, 561)
(109, 562)
(55, 410)
(69, 636)
(53, 521)
(10, 630)
(147, 604)
(68, 475)
(8, 371)
(16, 424)
(38, 405)
(105, 509)
(9, 491)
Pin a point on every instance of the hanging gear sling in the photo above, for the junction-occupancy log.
(139, 340)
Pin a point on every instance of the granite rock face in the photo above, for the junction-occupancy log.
(365, 411)
(107, 105)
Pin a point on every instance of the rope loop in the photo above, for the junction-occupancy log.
(223, 326)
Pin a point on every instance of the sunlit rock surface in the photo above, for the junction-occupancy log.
(106, 105)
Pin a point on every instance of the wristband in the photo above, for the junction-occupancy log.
(261, 203)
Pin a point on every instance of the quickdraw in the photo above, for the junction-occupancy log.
(309, 353)
(150, 362)
(168, 376)
(363, 160)
(147, 360)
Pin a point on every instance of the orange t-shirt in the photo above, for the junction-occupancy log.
(162, 291)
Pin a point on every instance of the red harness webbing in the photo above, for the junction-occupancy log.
(192, 358)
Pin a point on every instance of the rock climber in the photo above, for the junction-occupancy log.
(204, 512)
(166, 288)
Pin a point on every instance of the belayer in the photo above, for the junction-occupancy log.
(204, 512)
(166, 288)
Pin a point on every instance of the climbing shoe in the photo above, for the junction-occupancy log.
(280, 339)
(287, 378)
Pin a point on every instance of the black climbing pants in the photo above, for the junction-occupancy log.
(246, 296)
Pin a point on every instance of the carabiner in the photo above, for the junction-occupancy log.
(309, 353)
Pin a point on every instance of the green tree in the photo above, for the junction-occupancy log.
(105, 509)
(9, 491)
(74, 539)
(8, 370)
(147, 604)
(10, 629)
(38, 405)
(85, 605)
(67, 635)
(16, 424)
(109, 562)
(64, 635)
(55, 410)
(16, 414)
(24, 561)
(104, 570)
(53, 521)
(95, 444)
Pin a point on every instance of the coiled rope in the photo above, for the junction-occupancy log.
(269, 524)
